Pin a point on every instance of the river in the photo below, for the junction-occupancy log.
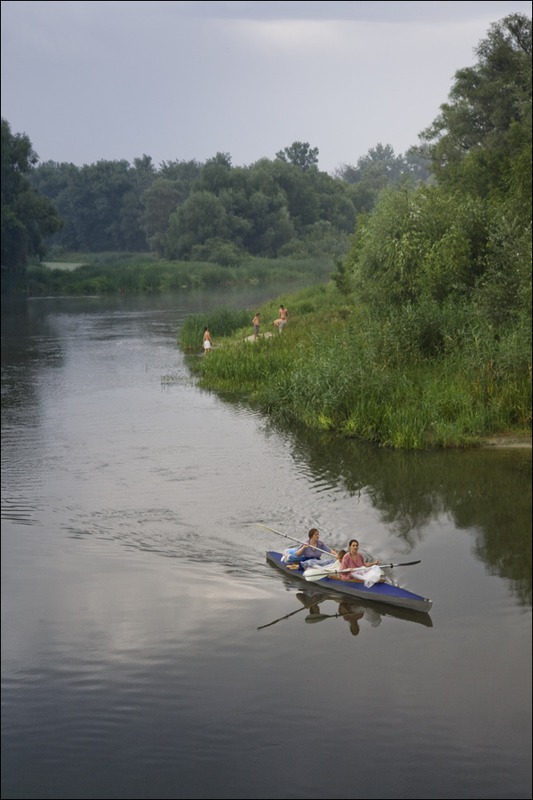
(148, 649)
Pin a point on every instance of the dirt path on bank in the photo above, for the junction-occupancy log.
(507, 440)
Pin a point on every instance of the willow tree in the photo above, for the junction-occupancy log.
(27, 218)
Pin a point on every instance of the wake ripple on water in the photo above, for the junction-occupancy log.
(19, 511)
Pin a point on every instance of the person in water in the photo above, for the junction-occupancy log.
(354, 560)
(207, 342)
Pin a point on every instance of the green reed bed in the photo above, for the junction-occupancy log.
(246, 368)
(335, 369)
(222, 323)
(129, 276)
(338, 385)
(138, 273)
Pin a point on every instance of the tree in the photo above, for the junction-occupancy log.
(160, 200)
(141, 176)
(381, 168)
(487, 102)
(300, 154)
(27, 218)
(187, 172)
(200, 218)
(215, 174)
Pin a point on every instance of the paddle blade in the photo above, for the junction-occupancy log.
(316, 575)
(311, 575)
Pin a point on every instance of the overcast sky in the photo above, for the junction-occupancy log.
(184, 80)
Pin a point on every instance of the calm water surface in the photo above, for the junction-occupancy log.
(148, 651)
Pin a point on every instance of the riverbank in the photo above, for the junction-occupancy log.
(408, 382)
(508, 440)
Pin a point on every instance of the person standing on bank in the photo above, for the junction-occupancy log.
(283, 315)
(207, 343)
(256, 322)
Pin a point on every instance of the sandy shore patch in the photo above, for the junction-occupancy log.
(507, 440)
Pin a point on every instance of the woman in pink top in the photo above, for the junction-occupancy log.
(353, 560)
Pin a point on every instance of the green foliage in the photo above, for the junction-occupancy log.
(219, 251)
(341, 277)
(428, 343)
(200, 218)
(212, 211)
(160, 200)
(429, 376)
(423, 337)
(436, 246)
(221, 322)
(480, 146)
(381, 168)
(486, 101)
(128, 273)
(300, 154)
(27, 218)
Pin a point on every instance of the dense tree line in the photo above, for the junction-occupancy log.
(465, 239)
(212, 211)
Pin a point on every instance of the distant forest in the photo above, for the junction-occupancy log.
(213, 211)
(479, 148)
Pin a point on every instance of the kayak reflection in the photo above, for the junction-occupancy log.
(353, 612)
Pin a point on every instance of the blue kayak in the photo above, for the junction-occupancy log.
(381, 592)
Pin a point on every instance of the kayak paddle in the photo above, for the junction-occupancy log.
(317, 575)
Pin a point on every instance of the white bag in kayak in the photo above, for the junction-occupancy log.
(369, 575)
(322, 564)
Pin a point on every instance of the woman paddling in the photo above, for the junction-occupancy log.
(313, 549)
(353, 560)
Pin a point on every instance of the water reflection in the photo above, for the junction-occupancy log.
(28, 343)
(316, 601)
(134, 582)
(410, 489)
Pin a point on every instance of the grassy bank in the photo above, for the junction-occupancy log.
(130, 273)
(334, 368)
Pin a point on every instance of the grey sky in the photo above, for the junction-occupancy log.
(185, 80)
